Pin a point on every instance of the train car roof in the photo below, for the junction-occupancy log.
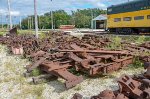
(126, 3)
(135, 5)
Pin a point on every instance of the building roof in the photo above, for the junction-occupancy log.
(100, 17)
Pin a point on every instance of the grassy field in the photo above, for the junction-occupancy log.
(3, 32)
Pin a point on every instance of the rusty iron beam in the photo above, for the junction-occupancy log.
(94, 51)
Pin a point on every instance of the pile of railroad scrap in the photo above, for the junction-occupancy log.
(30, 44)
(138, 50)
(91, 62)
(130, 87)
(56, 54)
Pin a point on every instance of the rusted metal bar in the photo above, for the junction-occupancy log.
(107, 68)
(71, 80)
(94, 51)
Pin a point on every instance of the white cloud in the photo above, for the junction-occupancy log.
(2, 11)
(13, 13)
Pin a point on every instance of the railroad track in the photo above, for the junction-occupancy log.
(107, 33)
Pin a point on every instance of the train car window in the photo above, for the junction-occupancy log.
(139, 18)
(139, 4)
(117, 19)
(110, 10)
(148, 17)
(127, 6)
(127, 19)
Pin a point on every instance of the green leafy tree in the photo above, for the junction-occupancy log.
(80, 18)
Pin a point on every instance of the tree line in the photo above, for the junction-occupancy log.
(79, 18)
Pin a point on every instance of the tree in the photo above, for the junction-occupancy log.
(79, 18)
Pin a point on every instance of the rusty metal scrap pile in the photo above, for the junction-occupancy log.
(56, 54)
(130, 87)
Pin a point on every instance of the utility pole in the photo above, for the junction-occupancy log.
(92, 19)
(28, 22)
(20, 23)
(52, 22)
(1, 21)
(36, 21)
(39, 21)
(31, 23)
(9, 12)
(6, 19)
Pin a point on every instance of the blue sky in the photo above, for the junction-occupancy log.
(25, 7)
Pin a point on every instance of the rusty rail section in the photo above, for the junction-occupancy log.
(130, 87)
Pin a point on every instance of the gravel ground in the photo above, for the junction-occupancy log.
(14, 86)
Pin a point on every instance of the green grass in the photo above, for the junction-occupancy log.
(2, 33)
(25, 32)
(28, 32)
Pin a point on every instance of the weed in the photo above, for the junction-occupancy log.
(42, 36)
(36, 72)
(137, 62)
(140, 40)
(116, 43)
(78, 88)
(73, 70)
